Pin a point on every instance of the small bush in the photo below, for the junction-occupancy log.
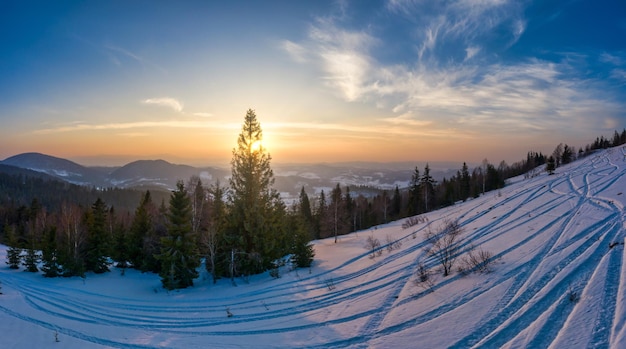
(392, 244)
(330, 284)
(423, 277)
(572, 295)
(412, 221)
(372, 244)
(477, 260)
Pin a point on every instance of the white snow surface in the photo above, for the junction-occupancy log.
(551, 235)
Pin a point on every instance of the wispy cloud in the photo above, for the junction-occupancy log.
(203, 114)
(169, 102)
(114, 52)
(297, 52)
(82, 126)
(447, 90)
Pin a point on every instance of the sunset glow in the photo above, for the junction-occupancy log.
(111, 82)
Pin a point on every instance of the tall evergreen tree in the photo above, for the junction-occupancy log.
(301, 250)
(254, 205)
(98, 242)
(305, 212)
(50, 254)
(465, 182)
(413, 206)
(550, 165)
(396, 203)
(144, 240)
(14, 252)
(179, 255)
(338, 212)
(427, 188)
(322, 222)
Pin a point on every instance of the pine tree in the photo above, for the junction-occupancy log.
(50, 255)
(254, 204)
(305, 212)
(121, 247)
(396, 203)
(413, 206)
(144, 242)
(322, 226)
(550, 165)
(99, 245)
(465, 182)
(13, 252)
(30, 260)
(302, 252)
(427, 188)
(338, 212)
(179, 255)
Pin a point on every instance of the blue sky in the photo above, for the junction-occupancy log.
(112, 81)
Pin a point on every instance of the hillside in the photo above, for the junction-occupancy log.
(557, 281)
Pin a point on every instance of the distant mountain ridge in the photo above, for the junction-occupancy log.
(160, 174)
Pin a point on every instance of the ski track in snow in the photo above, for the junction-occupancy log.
(558, 230)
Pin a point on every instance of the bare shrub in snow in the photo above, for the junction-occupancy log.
(372, 244)
(443, 244)
(412, 221)
(392, 244)
(477, 260)
(330, 284)
(423, 277)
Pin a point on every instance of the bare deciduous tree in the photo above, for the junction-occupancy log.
(372, 244)
(443, 244)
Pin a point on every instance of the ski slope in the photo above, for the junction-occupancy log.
(557, 281)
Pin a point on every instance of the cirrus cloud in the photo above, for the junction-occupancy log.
(168, 102)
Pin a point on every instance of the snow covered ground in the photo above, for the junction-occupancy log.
(558, 282)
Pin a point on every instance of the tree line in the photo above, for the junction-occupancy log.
(237, 230)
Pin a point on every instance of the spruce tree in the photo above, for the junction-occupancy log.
(179, 255)
(396, 203)
(465, 182)
(337, 211)
(427, 188)
(550, 165)
(143, 240)
(301, 250)
(30, 260)
(305, 212)
(98, 242)
(254, 204)
(413, 206)
(50, 255)
(323, 223)
(13, 252)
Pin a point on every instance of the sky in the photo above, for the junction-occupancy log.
(109, 82)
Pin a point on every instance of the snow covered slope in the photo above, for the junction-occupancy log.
(558, 281)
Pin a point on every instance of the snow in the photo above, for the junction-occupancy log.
(557, 282)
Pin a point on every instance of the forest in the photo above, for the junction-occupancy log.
(234, 230)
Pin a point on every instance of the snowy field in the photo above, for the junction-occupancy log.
(557, 282)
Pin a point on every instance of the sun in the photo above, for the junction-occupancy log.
(256, 146)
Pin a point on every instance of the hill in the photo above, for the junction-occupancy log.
(557, 280)
(290, 178)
